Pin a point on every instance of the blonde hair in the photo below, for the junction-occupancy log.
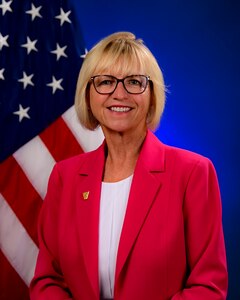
(106, 55)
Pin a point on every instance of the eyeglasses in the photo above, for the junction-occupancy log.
(107, 84)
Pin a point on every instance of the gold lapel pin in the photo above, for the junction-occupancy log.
(85, 195)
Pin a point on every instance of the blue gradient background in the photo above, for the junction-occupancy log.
(197, 45)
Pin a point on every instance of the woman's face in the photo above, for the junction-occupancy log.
(120, 111)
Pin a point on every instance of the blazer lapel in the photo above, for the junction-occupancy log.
(89, 190)
(145, 186)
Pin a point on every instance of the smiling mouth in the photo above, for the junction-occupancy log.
(119, 109)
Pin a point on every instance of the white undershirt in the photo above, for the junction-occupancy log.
(114, 197)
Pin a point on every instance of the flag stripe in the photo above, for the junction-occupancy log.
(89, 140)
(36, 162)
(60, 141)
(12, 236)
(20, 195)
(8, 275)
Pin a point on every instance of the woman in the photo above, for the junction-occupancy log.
(134, 219)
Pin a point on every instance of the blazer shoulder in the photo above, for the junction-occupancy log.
(183, 157)
(161, 156)
(75, 163)
(172, 152)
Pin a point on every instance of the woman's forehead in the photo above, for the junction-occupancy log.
(121, 68)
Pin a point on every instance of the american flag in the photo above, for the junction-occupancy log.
(41, 52)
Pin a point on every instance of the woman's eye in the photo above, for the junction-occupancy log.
(105, 82)
(134, 82)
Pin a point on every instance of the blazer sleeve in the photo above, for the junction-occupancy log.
(48, 281)
(207, 275)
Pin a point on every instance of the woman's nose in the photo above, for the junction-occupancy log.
(120, 91)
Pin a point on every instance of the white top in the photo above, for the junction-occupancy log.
(114, 198)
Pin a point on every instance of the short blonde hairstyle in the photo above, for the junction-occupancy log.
(105, 56)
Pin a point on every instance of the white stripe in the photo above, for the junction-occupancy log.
(15, 243)
(36, 162)
(89, 140)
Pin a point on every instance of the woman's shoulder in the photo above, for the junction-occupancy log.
(74, 163)
(184, 154)
(184, 159)
(176, 153)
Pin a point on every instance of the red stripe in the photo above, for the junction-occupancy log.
(20, 195)
(60, 141)
(11, 285)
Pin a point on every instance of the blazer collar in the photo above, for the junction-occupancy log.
(147, 181)
(152, 154)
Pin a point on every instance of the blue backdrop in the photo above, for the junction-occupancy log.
(197, 45)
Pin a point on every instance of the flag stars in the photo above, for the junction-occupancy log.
(22, 113)
(55, 84)
(34, 12)
(30, 45)
(26, 80)
(3, 41)
(5, 6)
(60, 51)
(63, 17)
(1, 74)
(84, 54)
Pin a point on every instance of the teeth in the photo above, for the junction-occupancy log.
(119, 109)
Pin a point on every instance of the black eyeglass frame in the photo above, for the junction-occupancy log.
(121, 80)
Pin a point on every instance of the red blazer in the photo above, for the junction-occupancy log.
(171, 246)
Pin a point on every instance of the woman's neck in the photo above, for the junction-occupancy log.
(121, 155)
